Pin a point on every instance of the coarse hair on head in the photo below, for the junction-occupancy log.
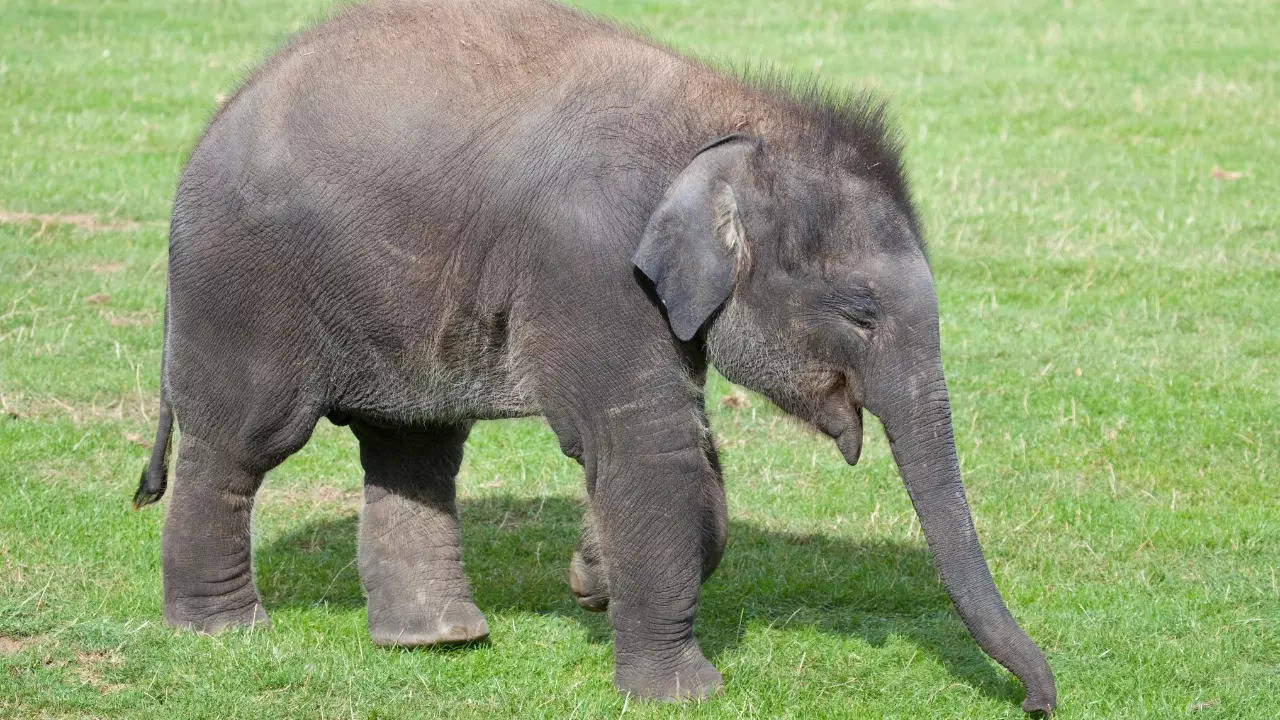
(848, 130)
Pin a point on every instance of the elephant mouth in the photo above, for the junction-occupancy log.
(846, 430)
(841, 419)
(849, 442)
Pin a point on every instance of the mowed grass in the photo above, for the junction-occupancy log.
(1099, 186)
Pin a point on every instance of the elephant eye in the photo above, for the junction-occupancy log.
(855, 305)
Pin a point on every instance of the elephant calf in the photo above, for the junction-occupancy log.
(421, 214)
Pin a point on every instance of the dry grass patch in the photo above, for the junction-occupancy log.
(125, 408)
(314, 497)
(135, 318)
(13, 645)
(88, 667)
(80, 221)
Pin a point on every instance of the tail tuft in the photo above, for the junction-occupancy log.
(149, 490)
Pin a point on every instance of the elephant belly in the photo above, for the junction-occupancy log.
(426, 389)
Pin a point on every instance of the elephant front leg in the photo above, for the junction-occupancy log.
(588, 573)
(409, 557)
(658, 507)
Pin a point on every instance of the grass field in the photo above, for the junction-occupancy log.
(1099, 186)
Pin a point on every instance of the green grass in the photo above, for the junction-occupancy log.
(1111, 337)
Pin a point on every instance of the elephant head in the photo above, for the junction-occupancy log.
(808, 283)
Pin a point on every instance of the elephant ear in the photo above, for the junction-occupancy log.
(695, 239)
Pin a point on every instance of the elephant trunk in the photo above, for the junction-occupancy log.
(919, 428)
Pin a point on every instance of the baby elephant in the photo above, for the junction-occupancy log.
(421, 214)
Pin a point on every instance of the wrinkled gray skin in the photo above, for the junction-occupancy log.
(423, 214)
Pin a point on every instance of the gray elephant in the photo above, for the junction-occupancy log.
(421, 214)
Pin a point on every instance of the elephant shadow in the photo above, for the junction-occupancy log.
(516, 550)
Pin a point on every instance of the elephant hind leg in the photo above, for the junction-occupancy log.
(409, 556)
(206, 552)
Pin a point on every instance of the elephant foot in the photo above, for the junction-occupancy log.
(587, 585)
(692, 679)
(207, 615)
(459, 622)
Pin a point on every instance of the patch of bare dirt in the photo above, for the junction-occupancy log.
(82, 221)
(15, 645)
(89, 665)
(137, 439)
(7, 411)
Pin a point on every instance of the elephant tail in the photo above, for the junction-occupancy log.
(154, 477)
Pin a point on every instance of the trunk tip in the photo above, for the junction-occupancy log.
(1039, 706)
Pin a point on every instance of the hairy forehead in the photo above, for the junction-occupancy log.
(835, 212)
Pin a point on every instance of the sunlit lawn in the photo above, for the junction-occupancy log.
(1098, 184)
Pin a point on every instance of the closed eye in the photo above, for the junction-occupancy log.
(866, 322)
(856, 305)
